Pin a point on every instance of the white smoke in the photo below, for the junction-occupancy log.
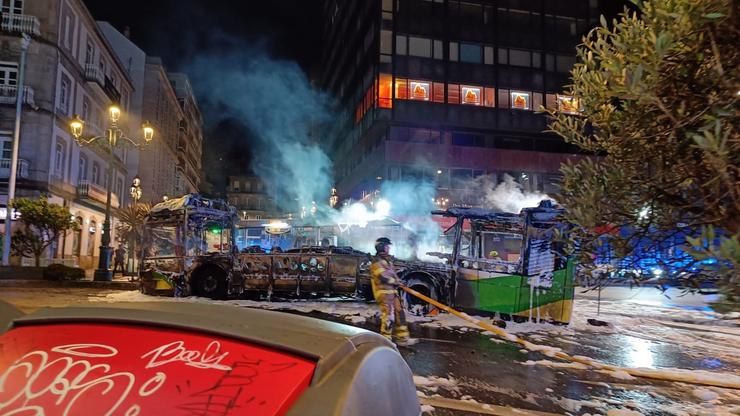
(508, 196)
(401, 211)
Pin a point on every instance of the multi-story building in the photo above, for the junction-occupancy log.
(71, 69)
(255, 206)
(448, 90)
(171, 167)
(251, 198)
(190, 141)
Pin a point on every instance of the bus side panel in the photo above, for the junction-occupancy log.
(286, 273)
(314, 273)
(343, 274)
(256, 271)
(552, 301)
(499, 293)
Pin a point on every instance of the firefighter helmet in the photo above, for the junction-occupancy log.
(381, 244)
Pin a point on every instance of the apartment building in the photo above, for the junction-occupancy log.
(71, 69)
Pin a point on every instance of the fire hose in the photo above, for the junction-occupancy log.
(731, 381)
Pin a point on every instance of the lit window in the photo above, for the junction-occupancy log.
(471, 95)
(520, 100)
(439, 92)
(551, 102)
(453, 93)
(384, 91)
(567, 104)
(503, 98)
(454, 53)
(536, 101)
(402, 92)
(488, 100)
(419, 90)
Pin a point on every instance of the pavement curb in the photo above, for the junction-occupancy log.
(114, 285)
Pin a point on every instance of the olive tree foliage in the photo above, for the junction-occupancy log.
(41, 224)
(658, 90)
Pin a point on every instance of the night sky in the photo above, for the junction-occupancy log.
(176, 30)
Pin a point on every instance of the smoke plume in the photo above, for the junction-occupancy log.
(275, 99)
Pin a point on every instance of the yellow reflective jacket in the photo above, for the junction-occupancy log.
(383, 276)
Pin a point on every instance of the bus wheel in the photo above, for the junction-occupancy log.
(210, 283)
(424, 286)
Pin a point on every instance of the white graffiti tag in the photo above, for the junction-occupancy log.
(175, 351)
(69, 379)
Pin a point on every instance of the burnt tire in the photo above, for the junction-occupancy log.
(210, 283)
(425, 286)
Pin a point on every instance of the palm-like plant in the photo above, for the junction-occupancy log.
(130, 226)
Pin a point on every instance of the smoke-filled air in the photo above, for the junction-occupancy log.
(288, 117)
(276, 101)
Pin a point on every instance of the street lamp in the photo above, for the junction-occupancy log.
(136, 189)
(114, 136)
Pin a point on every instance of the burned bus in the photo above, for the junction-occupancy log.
(499, 263)
(189, 250)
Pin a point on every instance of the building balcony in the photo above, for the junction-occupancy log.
(21, 23)
(88, 190)
(94, 74)
(8, 94)
(22, 171)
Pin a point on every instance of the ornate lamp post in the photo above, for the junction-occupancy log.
(136, 196)
(113, 137)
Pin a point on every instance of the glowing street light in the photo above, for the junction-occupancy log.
(76, 125)
(334, 198)
(136, 189)
(114, 113)
(113, 137)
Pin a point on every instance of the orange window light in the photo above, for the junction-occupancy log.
(471, 95)
(420, 90)
(453, 93)
(384, 91)
(488, 99)
(439, 92)
(402, 92)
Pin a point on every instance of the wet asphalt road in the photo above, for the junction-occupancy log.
(489, 372)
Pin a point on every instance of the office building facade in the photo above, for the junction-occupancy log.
(448, 91)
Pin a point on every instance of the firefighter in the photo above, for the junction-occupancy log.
(385, 283)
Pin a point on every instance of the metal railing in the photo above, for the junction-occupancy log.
(5, 168)
(20, 23)
(93, 73)
(87, 189)
(8, 94)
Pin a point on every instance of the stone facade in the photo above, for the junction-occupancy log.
(71, 69)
